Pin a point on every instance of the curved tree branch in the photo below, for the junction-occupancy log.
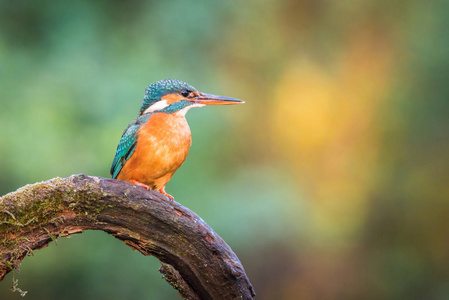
(195, 260)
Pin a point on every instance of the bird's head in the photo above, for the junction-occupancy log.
(170, 96)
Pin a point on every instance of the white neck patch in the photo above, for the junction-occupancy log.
(156, 106)
(183, 111)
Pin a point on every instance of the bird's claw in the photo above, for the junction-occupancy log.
(162, 191)
(140, 184)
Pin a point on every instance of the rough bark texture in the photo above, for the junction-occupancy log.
(195, 260)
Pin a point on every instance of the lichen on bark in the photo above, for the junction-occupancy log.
(195, 260)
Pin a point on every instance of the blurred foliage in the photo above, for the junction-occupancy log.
(329, 183)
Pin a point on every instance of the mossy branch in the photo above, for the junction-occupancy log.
(195, 260)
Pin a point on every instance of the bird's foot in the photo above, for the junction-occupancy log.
(140, 184)
(162, 191)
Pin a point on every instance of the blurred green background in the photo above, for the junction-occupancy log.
(331, 182)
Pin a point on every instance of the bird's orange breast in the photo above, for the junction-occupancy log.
(162, 146)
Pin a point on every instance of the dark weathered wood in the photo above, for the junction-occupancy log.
(195, 260)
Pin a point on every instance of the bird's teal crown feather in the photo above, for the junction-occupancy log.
(158, 89)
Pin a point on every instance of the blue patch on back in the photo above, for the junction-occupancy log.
(127, 144)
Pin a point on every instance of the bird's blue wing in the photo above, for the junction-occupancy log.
(125, 148)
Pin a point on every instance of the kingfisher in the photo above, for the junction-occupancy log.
(157, 142)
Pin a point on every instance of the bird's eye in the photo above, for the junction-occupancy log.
(185, 93)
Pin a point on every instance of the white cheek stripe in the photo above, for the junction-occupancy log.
(156, 106)
(183, 111)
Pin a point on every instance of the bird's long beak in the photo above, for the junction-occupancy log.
(209, 99)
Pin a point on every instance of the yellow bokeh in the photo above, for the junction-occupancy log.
(324, 124)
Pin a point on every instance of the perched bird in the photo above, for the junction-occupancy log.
(157, 142)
